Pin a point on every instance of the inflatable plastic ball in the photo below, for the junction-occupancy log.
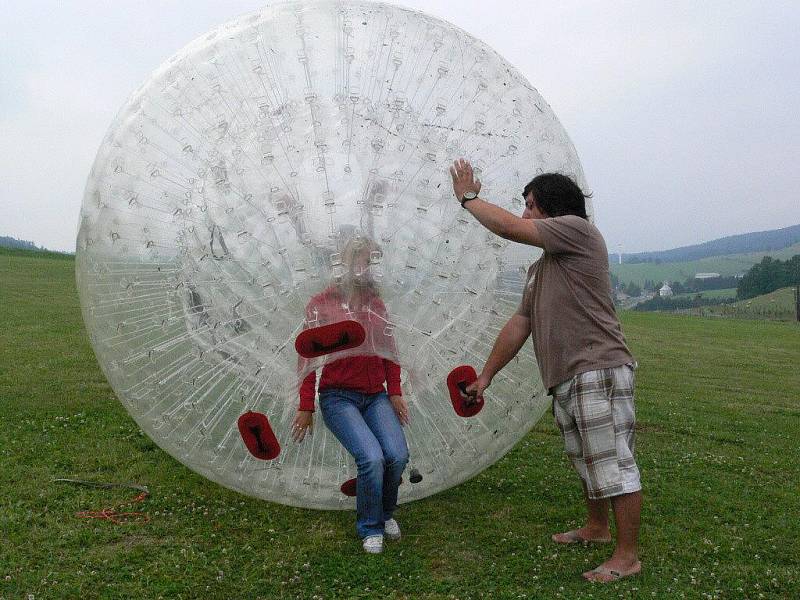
(269, 173)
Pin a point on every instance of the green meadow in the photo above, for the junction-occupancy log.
(719, 424)
(727, 265)
(777, 305)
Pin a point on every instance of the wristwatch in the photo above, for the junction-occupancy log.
(467, 197)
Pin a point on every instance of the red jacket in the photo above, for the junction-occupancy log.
(363, 373)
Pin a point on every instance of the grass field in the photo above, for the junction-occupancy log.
(732, 264)
(719, 421)
(777, 305)
(709, 294)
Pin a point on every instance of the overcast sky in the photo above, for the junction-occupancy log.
(686, 115)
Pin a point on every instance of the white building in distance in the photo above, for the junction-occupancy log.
(665, 290)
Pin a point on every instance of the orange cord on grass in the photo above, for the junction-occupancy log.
(110, 513)
(118, 518)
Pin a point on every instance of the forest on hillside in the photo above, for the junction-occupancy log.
(12, 242)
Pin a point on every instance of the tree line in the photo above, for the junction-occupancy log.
(11, 242)
(769, 275)
(669, 303)
(690, 285)
(763, 278)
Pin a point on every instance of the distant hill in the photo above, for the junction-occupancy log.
(12, 242)
(760, 241)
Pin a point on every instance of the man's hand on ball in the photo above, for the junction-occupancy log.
(476, 388)
(463, 179)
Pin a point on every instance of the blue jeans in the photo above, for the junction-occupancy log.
(370, 431)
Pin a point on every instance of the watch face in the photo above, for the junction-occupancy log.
(470, 196)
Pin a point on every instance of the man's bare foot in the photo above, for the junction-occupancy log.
(612, 570)
(583, 535)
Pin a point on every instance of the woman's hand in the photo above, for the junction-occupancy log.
(401, 408)
(303, 423)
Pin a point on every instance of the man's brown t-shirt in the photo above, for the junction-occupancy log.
(567, 297)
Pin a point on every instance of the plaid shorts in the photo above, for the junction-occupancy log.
(596, 415)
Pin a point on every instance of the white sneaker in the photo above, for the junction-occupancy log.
(392, 530)
(373, 544)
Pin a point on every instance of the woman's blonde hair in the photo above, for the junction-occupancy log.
(356, 246)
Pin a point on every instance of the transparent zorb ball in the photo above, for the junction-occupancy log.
(221, 207)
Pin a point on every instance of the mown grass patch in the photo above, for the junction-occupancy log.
(719, 420)
(778, 305)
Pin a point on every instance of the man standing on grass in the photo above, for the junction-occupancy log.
(584, 361)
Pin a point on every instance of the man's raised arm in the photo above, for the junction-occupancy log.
(497, 220)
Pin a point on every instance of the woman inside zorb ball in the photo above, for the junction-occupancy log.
(360, 397)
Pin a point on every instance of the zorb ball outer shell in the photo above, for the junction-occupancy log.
(280, 186)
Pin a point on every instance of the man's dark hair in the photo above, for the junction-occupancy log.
(556, 194)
